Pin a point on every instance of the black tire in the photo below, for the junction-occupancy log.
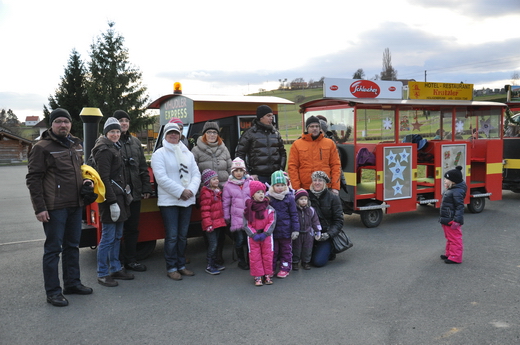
(371, 218)
(144, 249)
(476, 205)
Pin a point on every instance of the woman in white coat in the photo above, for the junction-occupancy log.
(178, 180)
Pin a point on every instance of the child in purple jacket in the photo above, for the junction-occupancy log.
(282, 200)
(309, 226)
(234, 196)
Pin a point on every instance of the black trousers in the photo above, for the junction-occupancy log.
(131, 234)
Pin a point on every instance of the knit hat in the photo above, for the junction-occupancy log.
(255, 186)
(454, 175)
(299, 193)
(324, 126)
(176, 120)
(207, 175)
(110, 124)
(170, 126)
(210, 125)
(323, 118)
(312, 119)
(238, 163)
(263, 110)
(59, 112)
(322, 175)
(119, 114)
(278, 177)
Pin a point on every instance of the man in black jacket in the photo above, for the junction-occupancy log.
(262, 147)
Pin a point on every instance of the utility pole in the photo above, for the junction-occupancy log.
(425, 76)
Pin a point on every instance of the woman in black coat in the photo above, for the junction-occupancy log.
(330, 213)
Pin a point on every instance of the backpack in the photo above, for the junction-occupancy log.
(365, 157)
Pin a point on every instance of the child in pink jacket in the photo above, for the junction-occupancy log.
(259, 223)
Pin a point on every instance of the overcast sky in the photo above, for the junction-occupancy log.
(237, 47)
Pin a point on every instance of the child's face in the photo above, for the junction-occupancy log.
(279, 187)
(238, 173)
(213, 183)
(302, 201)
(259, 195)
(447, 183)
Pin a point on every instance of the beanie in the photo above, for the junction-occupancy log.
(238, 163)
(207, 175)
(299, 193)
(177, 121)
(454, 175)
(322, 175)
(110, 124)
(170, 126)
(324, 126)
(263, 110)
(119, 114)
(323, 118)
(312, 119)
(278, 177)
(59, 112)
(255, 186)
(210, 125)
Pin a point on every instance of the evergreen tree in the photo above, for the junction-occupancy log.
(388, 72)
(114, 83)
(71, 94)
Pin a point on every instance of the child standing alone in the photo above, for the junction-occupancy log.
(452, 215)
(309, 226)
(282, 200)
(212, 215)
(259, 223)
(234, 196)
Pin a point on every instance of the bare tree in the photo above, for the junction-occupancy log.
(359, 74)
(388, 72)
(515, 77)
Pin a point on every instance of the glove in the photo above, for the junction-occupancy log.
(259, 237)
(317, 235)
(295, 235)
(87, 193)
(325, 236)
(454, 225)
(209, 229)
(114, 212)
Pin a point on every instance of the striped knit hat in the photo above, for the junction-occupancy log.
(207, 175)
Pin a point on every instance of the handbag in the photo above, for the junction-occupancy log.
(127, 192)
(341, 242)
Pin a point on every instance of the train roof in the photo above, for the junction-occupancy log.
(409, 102)
(222, 98)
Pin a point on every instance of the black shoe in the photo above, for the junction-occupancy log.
(58, 300)
(306, 266)
(295, 266)
(78, 290)
(332, 257)
(243, 265)
(443, 257)
(135, 266)
(448, 261)
(123, 275)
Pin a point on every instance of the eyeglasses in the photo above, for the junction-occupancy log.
(59, 122)
(212, 132)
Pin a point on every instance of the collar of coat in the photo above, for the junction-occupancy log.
(308, 137)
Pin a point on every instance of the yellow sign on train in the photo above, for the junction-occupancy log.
(446, 91)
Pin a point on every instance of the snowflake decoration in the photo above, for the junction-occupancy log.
(391, 157)
(459, 127)
(404, 156)
(398, 188)
(397, 171)
(485, 126)
(387, 123)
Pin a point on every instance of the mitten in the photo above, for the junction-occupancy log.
(295, 235)
(454, 225)
(209, 229)
(114, 212)
(259, 237)
(325, 236)
(317, 235)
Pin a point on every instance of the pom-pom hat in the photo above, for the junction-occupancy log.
(110, 124)
(238, 163)
(255, 186)
(207, 175)
(454, 175)
(278, 177)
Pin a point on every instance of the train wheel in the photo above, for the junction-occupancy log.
(476, 205)
(371, 218)
(144, 249)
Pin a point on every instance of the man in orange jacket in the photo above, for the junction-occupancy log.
(313, 152)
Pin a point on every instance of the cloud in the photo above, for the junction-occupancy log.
(479, 8)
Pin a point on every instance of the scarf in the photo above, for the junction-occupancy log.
(278, 196)
(184, 173)
(316, 192)
(255, 209)
(240, 182)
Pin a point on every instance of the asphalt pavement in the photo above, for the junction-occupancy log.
(390, 288)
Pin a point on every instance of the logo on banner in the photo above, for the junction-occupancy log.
(365, 89)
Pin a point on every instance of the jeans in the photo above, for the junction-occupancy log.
(108, 249)
(212, 242)
(176, 223)
(131, 233)
(63, 233)
(321, 252)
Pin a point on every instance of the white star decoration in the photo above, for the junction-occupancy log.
(459, 127)
(387, 123)
(404, 156)
(391, 157)
(397, 171)
(398, 188)
(485, 126)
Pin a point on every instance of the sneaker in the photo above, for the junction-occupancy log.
(282, 274)
(219, 267)
(306, 266)
(186, 272)
(268, 280)
(174, 275)
(443, 257)
(135, 266)
(107, 281)
(243, 265)
(123, 275)
(295, 266)
(212, 270)
(258, 281)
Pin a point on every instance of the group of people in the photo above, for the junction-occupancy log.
(282, 221)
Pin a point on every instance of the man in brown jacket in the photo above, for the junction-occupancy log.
(55, 182)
